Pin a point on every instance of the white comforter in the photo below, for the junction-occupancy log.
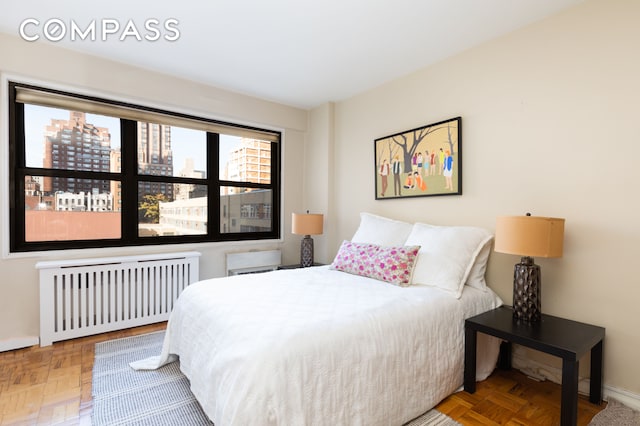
(317, 346)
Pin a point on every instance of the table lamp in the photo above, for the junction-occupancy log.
(306, 224)
(528, 236)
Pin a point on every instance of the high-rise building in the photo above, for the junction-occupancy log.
(115, 166)
(155, 158)
(184, 191)
(75, 144)
(250, 161)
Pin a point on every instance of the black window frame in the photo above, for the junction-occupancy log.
(130, 178)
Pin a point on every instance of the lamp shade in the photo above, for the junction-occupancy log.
(306, 224)
(532, 236)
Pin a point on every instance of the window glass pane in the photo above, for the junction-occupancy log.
(189, 149)
(171, 209)
(171, 151)
(71, 214)
(245, 210)
(245, 160)
(69, 140)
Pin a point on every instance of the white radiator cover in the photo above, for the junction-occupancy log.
(250, 262)
(82, 297)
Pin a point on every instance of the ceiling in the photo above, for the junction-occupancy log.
(297, 52)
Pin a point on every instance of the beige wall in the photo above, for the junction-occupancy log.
(550, 126)
(51, 65)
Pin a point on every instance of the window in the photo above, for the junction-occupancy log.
(89, 172)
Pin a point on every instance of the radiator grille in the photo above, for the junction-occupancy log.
(89, 296)
(251, 262)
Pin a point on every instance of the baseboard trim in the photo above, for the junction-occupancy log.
(629, 399)
(539, 371)
(18, 343)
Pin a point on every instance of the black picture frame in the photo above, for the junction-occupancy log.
(421, 162)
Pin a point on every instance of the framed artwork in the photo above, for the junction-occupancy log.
(421, 162)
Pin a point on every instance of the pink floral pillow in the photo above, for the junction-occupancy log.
(390, 264)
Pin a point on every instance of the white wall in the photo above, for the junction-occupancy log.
(550, 126)
(317, 193)
(50, 65)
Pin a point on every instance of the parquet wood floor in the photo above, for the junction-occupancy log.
(512, 399)
(52, 385)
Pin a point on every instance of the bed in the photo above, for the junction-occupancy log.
(323, 345)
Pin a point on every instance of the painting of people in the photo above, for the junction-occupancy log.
(420, 162)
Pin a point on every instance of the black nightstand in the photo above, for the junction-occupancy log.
(567, 339)
(297, 265)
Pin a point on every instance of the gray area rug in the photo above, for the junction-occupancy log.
(433, 418)
(123, 396)
(616, 414)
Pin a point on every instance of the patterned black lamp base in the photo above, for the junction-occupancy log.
(526, 291)
(306, 251)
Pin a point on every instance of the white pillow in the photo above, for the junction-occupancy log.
(447, 254)
(382, 231)
(476, 276)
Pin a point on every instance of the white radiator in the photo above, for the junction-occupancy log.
(251, 262)
(89, 296)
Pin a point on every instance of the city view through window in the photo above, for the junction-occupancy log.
(60, 206)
